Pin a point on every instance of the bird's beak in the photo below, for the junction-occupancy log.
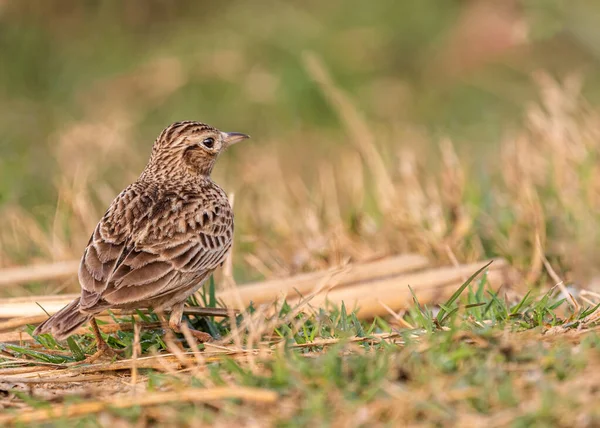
(231, 138)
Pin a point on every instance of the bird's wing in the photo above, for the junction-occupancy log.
(148, 244)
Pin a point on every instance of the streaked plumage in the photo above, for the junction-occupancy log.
(162, 236)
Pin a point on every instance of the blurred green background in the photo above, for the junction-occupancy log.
(93, 83)
(458, 68)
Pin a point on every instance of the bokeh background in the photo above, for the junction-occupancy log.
(460, 129)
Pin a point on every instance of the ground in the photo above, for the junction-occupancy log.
(479, 361)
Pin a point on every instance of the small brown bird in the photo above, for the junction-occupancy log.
(161, 238)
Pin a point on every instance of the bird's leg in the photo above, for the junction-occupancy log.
(170, 338)
(102, 348)
(101, 344)
(175, 324)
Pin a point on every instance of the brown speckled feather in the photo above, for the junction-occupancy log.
(162, 236)
(154, 241)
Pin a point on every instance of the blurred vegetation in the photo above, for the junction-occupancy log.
(85, 87)
(239, 68)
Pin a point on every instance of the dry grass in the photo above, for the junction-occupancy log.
(534, 203)
(544, 183)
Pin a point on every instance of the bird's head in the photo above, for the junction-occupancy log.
(189, 148)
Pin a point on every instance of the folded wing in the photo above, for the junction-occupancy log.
(148, 245)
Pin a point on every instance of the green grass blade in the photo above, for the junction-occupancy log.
(557, 304)
(448, 315)
(344, 318)
(457, 293)
(423, 316)
(144, 317)
(360, 332)
(520, 304)
(475, 305)
(589, 311)
(75, 349)
(414, 296)
(212, 293)
(40, 356)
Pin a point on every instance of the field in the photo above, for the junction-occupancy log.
(390, 162)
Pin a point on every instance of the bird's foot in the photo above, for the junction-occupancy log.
(102, 348)
(175, 325)
(200, 336)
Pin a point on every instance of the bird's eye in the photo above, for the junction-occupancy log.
(208, 142)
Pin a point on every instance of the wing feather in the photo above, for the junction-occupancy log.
(124, 295)
(153, 244)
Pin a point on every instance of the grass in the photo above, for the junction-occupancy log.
(472, 362)
(480, 358)
(368, 141)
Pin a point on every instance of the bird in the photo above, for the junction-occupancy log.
(160, 239)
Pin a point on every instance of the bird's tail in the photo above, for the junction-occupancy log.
(63, 323)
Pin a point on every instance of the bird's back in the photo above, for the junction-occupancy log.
(155, 240)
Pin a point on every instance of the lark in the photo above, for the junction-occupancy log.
(160, 239)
